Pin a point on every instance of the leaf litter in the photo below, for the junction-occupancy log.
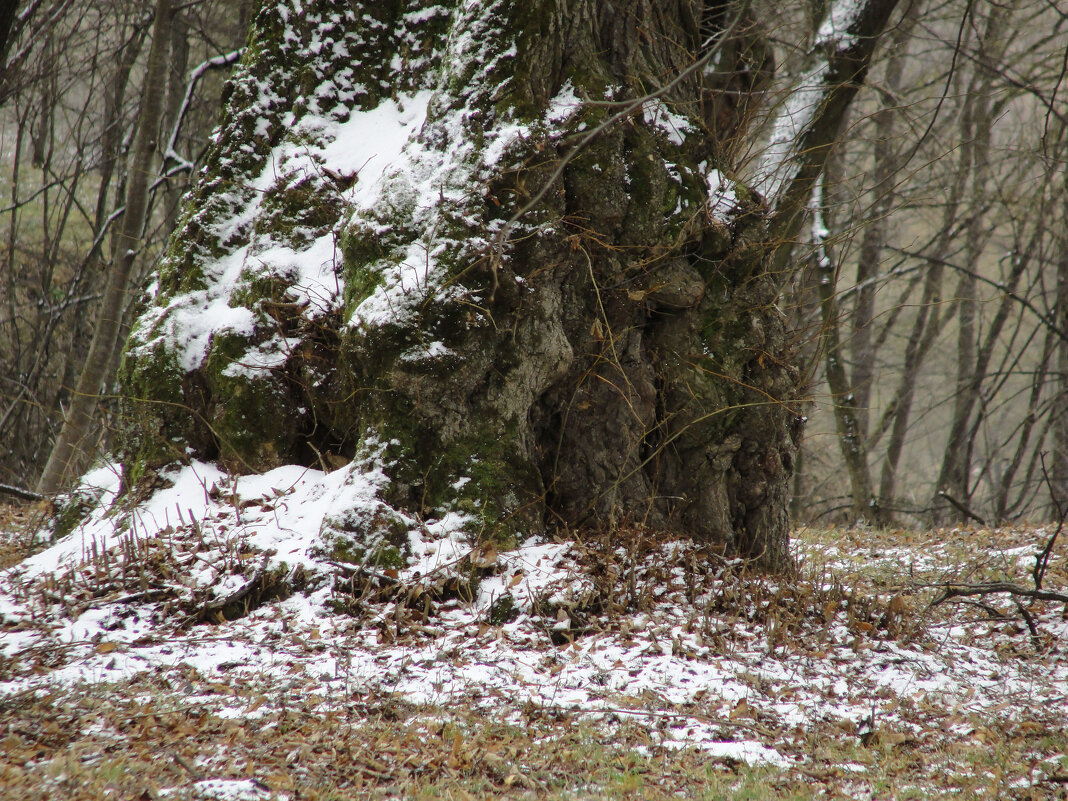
(219, 592)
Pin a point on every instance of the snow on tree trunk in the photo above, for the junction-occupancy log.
(346, 284)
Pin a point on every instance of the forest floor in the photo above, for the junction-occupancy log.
(201, 648)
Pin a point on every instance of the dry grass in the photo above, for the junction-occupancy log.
(107, 744)
(179, 734)
(147, 740)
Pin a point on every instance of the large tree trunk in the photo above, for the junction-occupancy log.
(549, 318)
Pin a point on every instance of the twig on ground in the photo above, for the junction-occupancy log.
(1030, 621)
(193, 773)
(951, 591)
(19, 492)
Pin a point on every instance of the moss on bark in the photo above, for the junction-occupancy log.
(620, 359)
(321, 61)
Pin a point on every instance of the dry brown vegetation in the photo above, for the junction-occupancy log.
(269, 723)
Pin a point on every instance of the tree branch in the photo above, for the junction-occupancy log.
(961, 507)
(19, 492)
(217, 62)
(808, 125)
(989, 588)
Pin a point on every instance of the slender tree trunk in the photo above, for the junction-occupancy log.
(954, 477)
(862, 350)
(112, 128)
(1005, 484)
(846, 412)
(849, 371)
(924, 332)
(1059, 470)
(68, 453)
(176, 84)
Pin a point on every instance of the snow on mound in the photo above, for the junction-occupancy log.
(221, 578)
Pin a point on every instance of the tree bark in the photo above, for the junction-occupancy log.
(574, 326)
(68, 453)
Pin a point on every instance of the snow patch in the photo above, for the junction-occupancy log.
(563, 105)
(722, 197)
(777, 166)
(686, 675)
(835, 28)
(224, 790)
(674, 126)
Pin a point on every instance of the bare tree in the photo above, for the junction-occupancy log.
(952, 242)
(66, 456)
(67, 132)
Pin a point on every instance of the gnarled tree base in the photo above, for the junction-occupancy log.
(611, 355)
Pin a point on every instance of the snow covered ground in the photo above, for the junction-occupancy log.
(218, 582)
